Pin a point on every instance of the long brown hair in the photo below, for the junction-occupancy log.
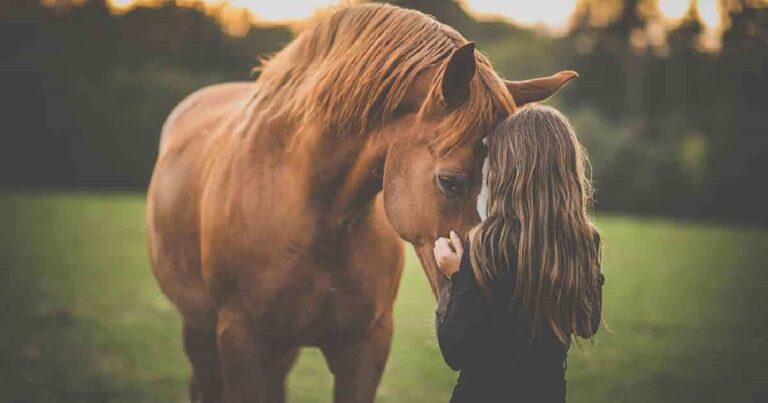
(538, 218)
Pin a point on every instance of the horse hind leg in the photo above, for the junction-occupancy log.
(253, 369)
(200, 345)
(244, 358)
(277, 373)
(357, 365)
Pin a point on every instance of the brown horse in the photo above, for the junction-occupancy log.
(276, 207)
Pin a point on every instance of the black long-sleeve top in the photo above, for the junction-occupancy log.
(489, 341)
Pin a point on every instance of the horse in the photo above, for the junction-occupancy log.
(277, 207)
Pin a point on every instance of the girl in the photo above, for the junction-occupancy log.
(530, 280)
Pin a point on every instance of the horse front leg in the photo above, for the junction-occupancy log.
(242, 359)
(358, 364)
(200, 345)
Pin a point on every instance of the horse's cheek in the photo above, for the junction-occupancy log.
(407, 193)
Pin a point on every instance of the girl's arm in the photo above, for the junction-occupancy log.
(460, 315)
(588, 330)
(460, 327)
(597, 316)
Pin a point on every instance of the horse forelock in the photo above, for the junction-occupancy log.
(487, 103)
(350, 70)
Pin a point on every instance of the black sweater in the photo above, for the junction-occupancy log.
(490, 343)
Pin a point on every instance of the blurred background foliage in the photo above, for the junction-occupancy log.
(675, 119)
(674, 127)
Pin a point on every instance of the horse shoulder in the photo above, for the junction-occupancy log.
(175, 190)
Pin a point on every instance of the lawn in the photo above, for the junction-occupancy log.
(83, 320)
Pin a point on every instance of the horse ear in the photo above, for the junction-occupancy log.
(538, 89)
(453, 83)
(458, 74)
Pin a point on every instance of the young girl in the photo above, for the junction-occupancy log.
(530, 280)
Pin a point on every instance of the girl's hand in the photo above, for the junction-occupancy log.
(448, 254)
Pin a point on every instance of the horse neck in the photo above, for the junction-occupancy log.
(359, 183)
(344, 173)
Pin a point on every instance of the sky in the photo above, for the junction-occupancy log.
(550, 14)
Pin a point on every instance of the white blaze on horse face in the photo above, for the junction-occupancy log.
(482, 198)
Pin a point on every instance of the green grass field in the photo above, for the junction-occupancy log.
(83, 320)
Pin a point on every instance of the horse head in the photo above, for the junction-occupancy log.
(432, 172)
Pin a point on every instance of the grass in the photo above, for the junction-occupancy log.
(83, 320)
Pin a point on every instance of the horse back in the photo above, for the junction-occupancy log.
(206, 107)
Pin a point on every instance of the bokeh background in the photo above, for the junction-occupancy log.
(672, 105)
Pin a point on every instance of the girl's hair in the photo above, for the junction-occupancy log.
(538, 218)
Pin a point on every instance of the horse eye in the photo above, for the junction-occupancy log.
(452, 185)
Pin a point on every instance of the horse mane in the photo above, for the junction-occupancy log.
(350, 70)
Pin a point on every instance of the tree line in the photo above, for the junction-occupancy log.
(672, 128)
